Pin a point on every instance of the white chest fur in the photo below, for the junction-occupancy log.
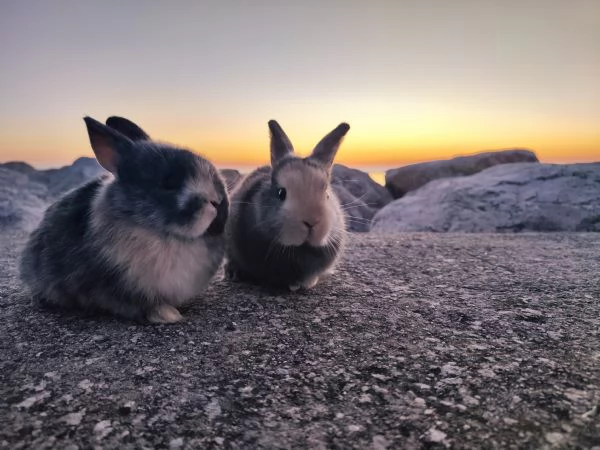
(169, 269)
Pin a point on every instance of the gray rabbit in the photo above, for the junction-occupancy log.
(286, 226)
(137, 242)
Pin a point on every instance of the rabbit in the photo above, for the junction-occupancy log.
(136, 243)
(286, 227)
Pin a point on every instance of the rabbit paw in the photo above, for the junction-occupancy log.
(164, 314)
(307, 284)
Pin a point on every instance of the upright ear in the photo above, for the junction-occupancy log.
(108, 144)
(127, 128)
(280, 143)
(326, 149)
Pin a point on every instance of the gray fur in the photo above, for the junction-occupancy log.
(128, 244)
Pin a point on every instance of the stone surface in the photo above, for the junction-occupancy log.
(361, 186)
(418, 341)
(26, 192)
(361, 197)
(357, 213)
(409, 178)
(504, 198)
(22, 201)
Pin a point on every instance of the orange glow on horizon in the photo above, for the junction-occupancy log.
(49, 152)
(385, 139)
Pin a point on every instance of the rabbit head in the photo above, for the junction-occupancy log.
(157, 186)
(300, 201)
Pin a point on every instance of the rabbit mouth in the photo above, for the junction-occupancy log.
(302, 236)
(196, 227)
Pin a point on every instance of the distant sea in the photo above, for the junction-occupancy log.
(378, 176)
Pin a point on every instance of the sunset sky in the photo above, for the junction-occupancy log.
(416, 80)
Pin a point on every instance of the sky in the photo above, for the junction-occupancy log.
(416, 80)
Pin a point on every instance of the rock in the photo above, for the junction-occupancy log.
(379, 442)
(22, 201)
(435, 435)
(66, 178)
(73, 419)
(176, 443)
(505, 198)
(232, 177)
(361, 186)
(103, 429)
(26, 192)
(360, 196)
(409, 178)
(358, 214)
(18, 166)
(213, 409)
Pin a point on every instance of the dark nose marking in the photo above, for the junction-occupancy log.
(193, 205)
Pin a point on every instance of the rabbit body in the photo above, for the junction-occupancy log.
(129, 244)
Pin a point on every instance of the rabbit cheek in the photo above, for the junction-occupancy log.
(319, 236)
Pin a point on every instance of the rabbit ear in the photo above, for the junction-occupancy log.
(326, 149)
(280, 143)
(108, 144)
(127, 128)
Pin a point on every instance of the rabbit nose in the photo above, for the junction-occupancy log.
(310, 225)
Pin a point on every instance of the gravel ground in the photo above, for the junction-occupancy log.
(419, 341)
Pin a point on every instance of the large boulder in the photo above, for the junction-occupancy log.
(22, 201)
(66, 178)
(504, 198)
(58, 181)
(408, 178)
(26, 192)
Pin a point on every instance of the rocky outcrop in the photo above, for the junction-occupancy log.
(22, 201)
(408, 178)
(361, 186)
(505, 198)
(26, 192)
(58, 181)
(358, 214)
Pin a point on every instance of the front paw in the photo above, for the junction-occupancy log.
(164, 314)
(307, 284)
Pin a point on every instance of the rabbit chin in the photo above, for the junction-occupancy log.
(195, 228)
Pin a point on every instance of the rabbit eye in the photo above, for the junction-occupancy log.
(281, 194)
